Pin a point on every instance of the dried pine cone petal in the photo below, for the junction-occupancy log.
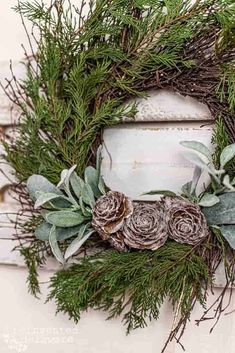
(109, 213)
(186, 222)
(116, 240)
(146, 228)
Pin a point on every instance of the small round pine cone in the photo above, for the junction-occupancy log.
(109, 213)
(186, 222)
(146, 228)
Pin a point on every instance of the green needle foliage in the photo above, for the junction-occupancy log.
(35, 257)
(86, 66)
(133, 285)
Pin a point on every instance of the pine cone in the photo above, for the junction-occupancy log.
(109, 213)
(116, 240)
(146, 228)
(186, 222)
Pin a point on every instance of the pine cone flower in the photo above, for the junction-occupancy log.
(109, 213)
(116, 240)
(146, 228)
(186, 222)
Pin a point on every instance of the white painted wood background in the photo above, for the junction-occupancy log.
(27, 325)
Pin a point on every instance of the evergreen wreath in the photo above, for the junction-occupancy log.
(125, 257)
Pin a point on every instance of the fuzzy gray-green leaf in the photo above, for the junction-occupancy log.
(87, 212)
(223, 212)
(66, 233)
(87, 195)
(161, 192)
(227, 155)
(99, 158)
(65, 219)
(101, 185)
(228, 232)
(187, 188)
(196, 176)
(76, 244)
(40, 183)
(208, 200)
(195, 159)
(42, 231)
(54, 245)
(92, 178)
(65, 177)
(77, 184)
(44, 198)
(227, 183)
(198, 147)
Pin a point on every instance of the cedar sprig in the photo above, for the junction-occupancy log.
(86, 66)
(134, 285)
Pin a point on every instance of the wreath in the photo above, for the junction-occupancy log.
(118, 255)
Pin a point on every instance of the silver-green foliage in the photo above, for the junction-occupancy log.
(218, 206)
(203, 159)
(66, 208)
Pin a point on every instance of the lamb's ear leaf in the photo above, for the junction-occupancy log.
(208, 200)
(64, 184)
(99, 158)
(223, 212)
(37, 183)
(77, 184)
(92, 178)
(101, 185)
(227, 155)
(198, 147)
(161, 192)
(196, 176)
(42, 231)
(44, 198)
(87, 212)
(65, 177)
(227, 183)
(64, 218)
(228, 232)
(87, 195)
(54, 245)
(187, 188)
(77, 243)
(195, 159)
(66, 233)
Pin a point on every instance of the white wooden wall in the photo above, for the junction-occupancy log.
(27, 325)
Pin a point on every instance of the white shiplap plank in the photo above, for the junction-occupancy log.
(163, 105)
(138, 158)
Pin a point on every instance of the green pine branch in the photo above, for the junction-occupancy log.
(133, 285)
(86, 66)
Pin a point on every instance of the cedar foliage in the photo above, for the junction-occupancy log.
(89, 61)
(85, 67)
(134, 285)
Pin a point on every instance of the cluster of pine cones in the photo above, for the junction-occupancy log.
(147, 225)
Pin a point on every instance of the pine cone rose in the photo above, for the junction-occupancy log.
(116, 240)
(109, 213)
(146, 228)
(186, 222)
